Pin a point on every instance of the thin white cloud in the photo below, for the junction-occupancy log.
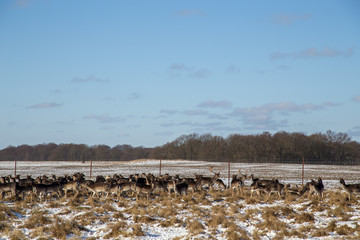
(215, 104)
(22, 3)
(310, 53)
(233, 69)
(45, 105)
(89, 79)
(195, 112)
(168, 112)
(56, 91)
(289, 19)
(354, 132)
(190, 12)
(135, 96)
(104, 118)
(261, 117)
(179, 67)
(182, 70)
(356, 98)
(201, 73)
(164, 133)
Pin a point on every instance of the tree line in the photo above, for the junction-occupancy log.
(281, 147)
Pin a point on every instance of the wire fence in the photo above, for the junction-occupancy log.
(287, 173)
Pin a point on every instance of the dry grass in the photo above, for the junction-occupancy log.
(195, 227)
(205, 215)
(37, 219)
(137, 230)
(116, 229)
(17, 235)
(304, 217)
(61, 228)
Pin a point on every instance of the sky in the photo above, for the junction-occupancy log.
(146, 72)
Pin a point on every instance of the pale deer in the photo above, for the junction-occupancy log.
(98, 187)
(125, 187)
(71, 186)
(114, 189)
(350, 188)
(237, 184)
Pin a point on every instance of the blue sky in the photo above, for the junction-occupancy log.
(146, 72)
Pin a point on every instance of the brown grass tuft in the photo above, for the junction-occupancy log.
(116, 229)
(195, 227)
(17, 235)
(137, 230)
(304, 217)
(234, 232)
(37, 219)
(61, 228)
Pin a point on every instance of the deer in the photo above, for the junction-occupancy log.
(314, 187)
(180, 188)
(350, 188)
(269, 186)
(127, 186)
(273, 187)
(114, 189)
(42, 190)
(261, 181)
(288, 189)
(98, 187)
(209, 181)
(71, 186)
(8, 187)
(238, 183)
(144, 188)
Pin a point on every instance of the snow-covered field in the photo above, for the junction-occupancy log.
(214, 214)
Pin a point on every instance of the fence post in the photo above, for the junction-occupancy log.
(229, 172)
(90, 169)
(160, 168)
(303, 171)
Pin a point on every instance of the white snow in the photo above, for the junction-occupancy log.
(286, 173)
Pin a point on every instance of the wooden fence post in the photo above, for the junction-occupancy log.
(303, 171)
(160, 168)
(90, 169)
(229, 173)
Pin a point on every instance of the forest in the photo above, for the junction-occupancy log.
(281, 147)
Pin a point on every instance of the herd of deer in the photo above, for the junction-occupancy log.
(146, 184)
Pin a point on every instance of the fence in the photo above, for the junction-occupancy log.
(287, 173)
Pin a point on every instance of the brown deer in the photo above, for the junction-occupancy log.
(237, 184)
(144, 188)
(313, 187)
(350, 188)
(207, 181)
(98, 187)
(8, 187)
(42, 190)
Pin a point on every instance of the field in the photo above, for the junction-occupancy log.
(213, 214)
